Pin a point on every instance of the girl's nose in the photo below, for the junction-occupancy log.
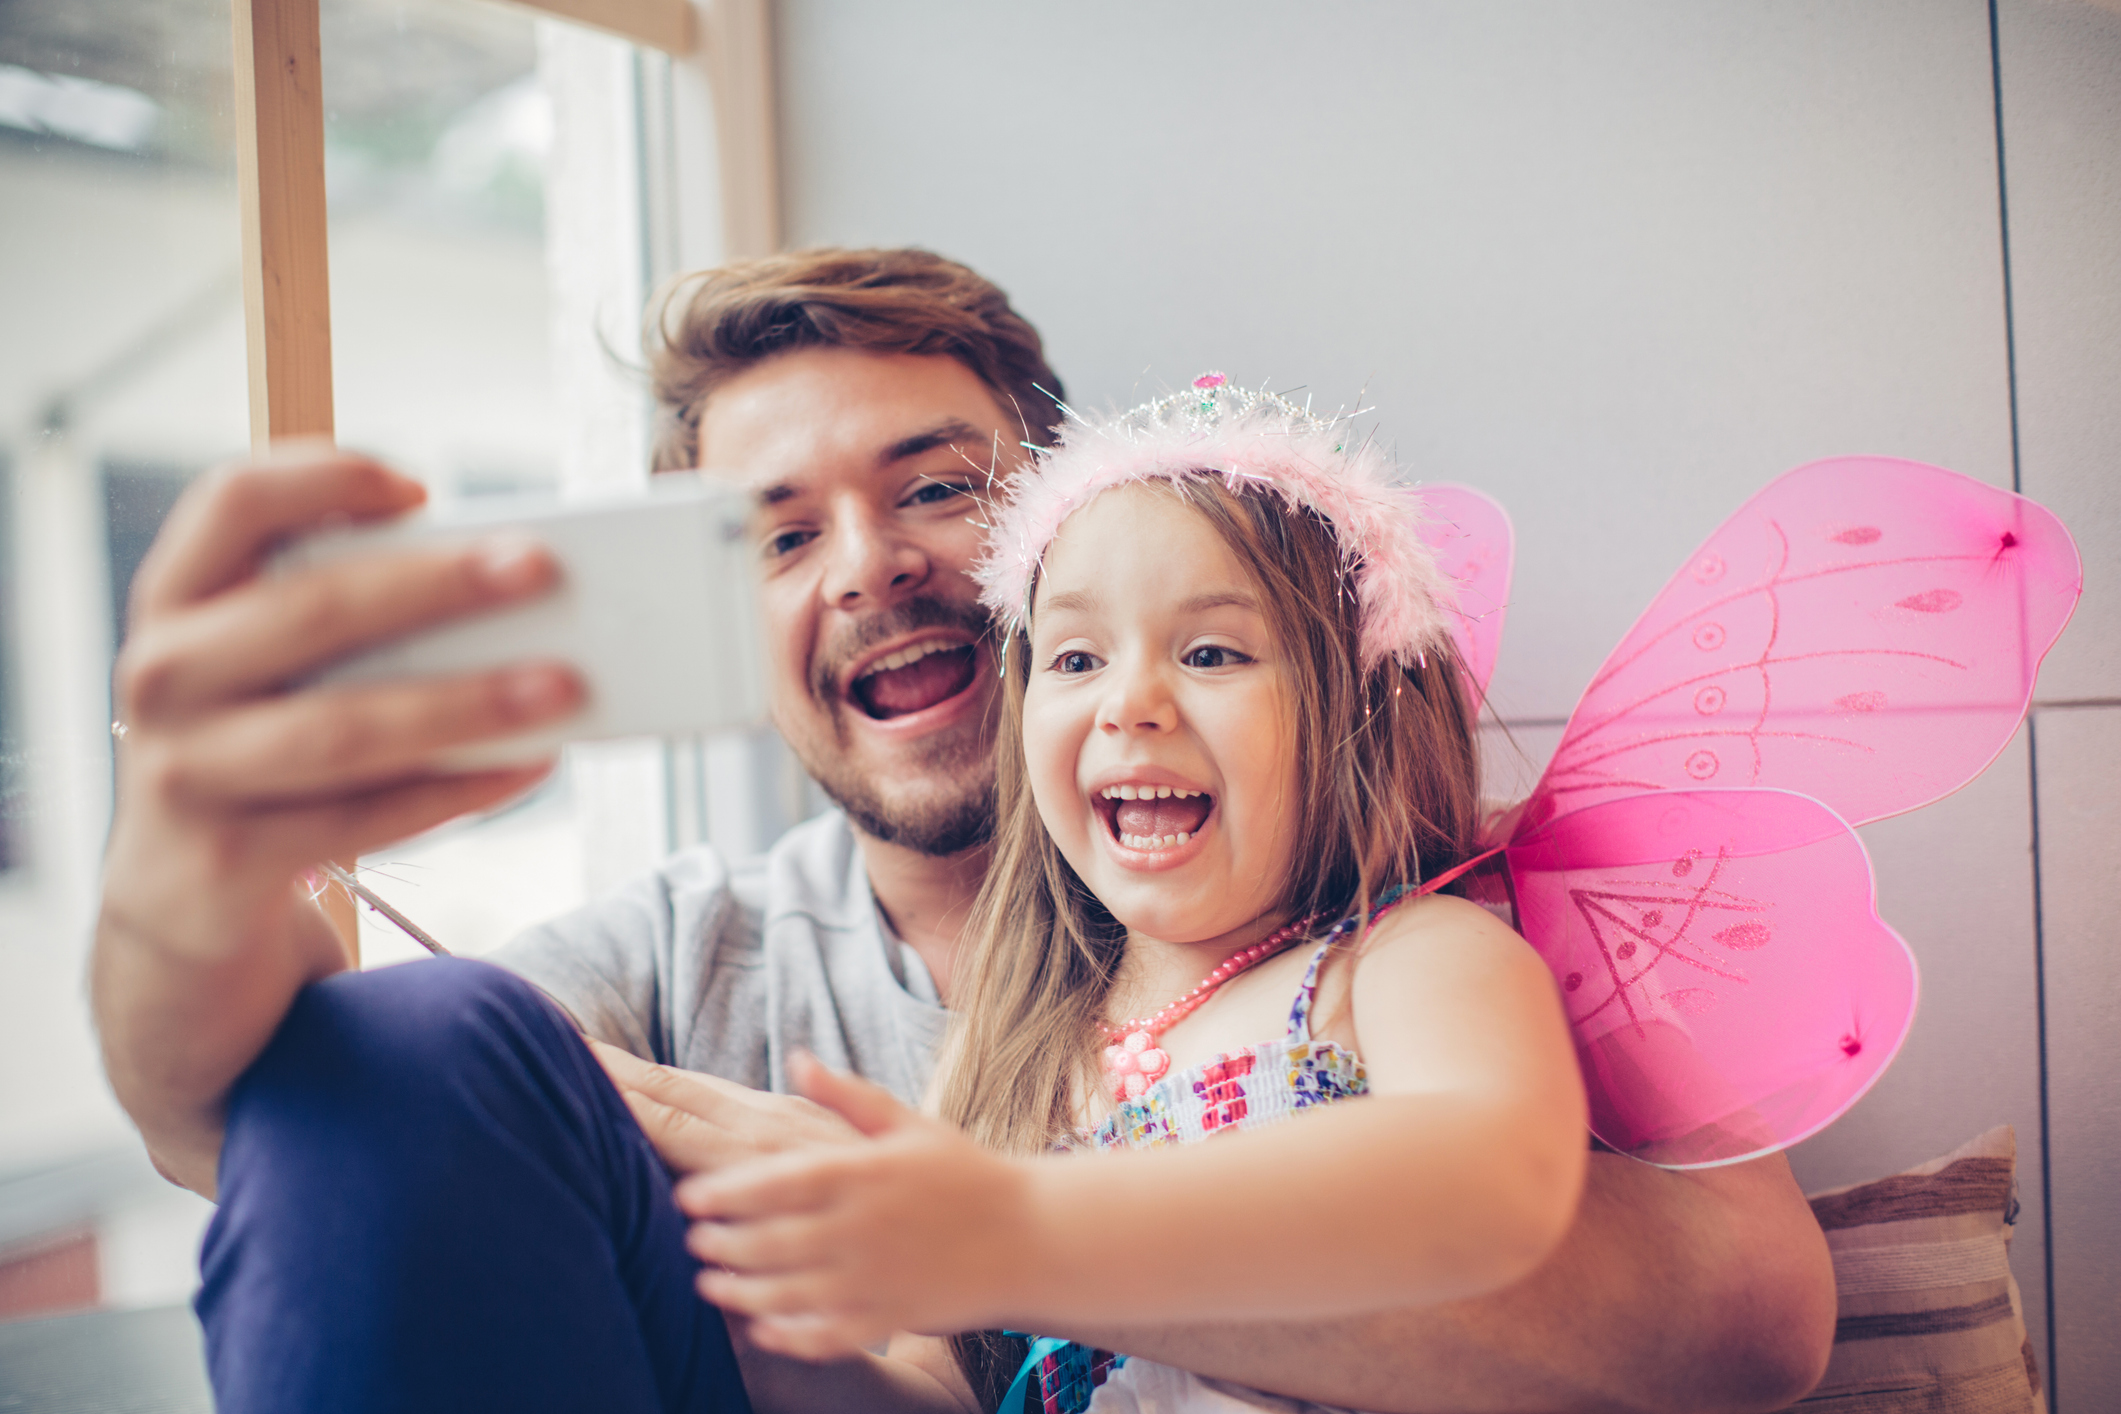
(1140, 701)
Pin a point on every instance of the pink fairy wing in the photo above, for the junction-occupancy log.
(1864, 630)
(1471, 537)
(1729, 985)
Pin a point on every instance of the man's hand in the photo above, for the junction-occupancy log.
(1709, 1292)
(230, 783)
(702, 1123)
(828, 1250)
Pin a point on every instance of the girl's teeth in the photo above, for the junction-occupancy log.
(1156, 841)
(1149, 793)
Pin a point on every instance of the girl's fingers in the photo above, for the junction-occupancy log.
(285, 750)
(804, 1294)
(778, 1245)
(867, 1106)
(219, 528)
(255, 637)
(815, 1338)
(789, 1183)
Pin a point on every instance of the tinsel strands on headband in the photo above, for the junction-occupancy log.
(1242, 436)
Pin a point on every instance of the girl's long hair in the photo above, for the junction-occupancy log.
(1387, 793)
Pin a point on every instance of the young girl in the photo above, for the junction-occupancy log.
(1237, 763)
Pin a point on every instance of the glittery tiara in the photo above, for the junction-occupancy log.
(1242, 436)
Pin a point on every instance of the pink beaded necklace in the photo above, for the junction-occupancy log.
(1133, 1060)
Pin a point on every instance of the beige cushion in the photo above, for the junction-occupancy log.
(1930, 1319)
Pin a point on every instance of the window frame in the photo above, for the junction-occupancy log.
(718, 79)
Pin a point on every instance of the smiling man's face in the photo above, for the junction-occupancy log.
(867, 469)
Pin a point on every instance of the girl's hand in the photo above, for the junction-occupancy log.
(830, 1250)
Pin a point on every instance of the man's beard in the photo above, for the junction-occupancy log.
(931, 827)
(962, 762)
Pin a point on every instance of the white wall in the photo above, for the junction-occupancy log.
(2060, 67)
(1618, 265)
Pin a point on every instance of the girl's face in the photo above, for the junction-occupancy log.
(1156, 721)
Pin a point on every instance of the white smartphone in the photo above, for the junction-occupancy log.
(655, 608)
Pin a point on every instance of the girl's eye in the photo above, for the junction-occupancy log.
(1075, 661)
(1212, 655)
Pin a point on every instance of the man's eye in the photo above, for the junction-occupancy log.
(935, 491)
(788, 541)
(1075, 661)
(1214, 656)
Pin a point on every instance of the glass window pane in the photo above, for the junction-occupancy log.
(436, 130)
(438, 127)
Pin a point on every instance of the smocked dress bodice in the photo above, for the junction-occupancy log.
(1242, 1089)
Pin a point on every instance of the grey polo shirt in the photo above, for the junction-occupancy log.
(727, 967)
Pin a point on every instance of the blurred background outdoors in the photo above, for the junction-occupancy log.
(122, 377)
(1616, 265)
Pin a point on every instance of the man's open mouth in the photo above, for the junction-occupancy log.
(915, 678)
(1153, 817)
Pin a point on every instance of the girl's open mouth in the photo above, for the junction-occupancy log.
(1151, 817)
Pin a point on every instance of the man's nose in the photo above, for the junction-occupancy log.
(870, 560)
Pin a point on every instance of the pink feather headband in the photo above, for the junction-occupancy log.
(1242, 436)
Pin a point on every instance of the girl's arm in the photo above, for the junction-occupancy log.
(1456, 1176)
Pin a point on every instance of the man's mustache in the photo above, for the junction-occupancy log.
(904, 618)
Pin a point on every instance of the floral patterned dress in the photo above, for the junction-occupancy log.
(1245, 1089)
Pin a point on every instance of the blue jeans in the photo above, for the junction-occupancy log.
(433, 1199)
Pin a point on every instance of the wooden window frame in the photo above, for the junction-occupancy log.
(280, 173)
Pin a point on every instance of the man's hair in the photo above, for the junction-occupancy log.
(706, 328)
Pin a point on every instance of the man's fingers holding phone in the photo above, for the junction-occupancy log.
(321, 743)
(355, 824)
(254, 637)
(222, 528)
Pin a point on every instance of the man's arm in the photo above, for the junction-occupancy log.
(1700, 1291)
(229, 784)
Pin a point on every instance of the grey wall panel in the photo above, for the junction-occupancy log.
(2061, 80)
(1618, 264)
(2060, 71)
(2080, 876)
(1955, 879)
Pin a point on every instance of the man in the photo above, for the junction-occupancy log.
(400, 1153)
